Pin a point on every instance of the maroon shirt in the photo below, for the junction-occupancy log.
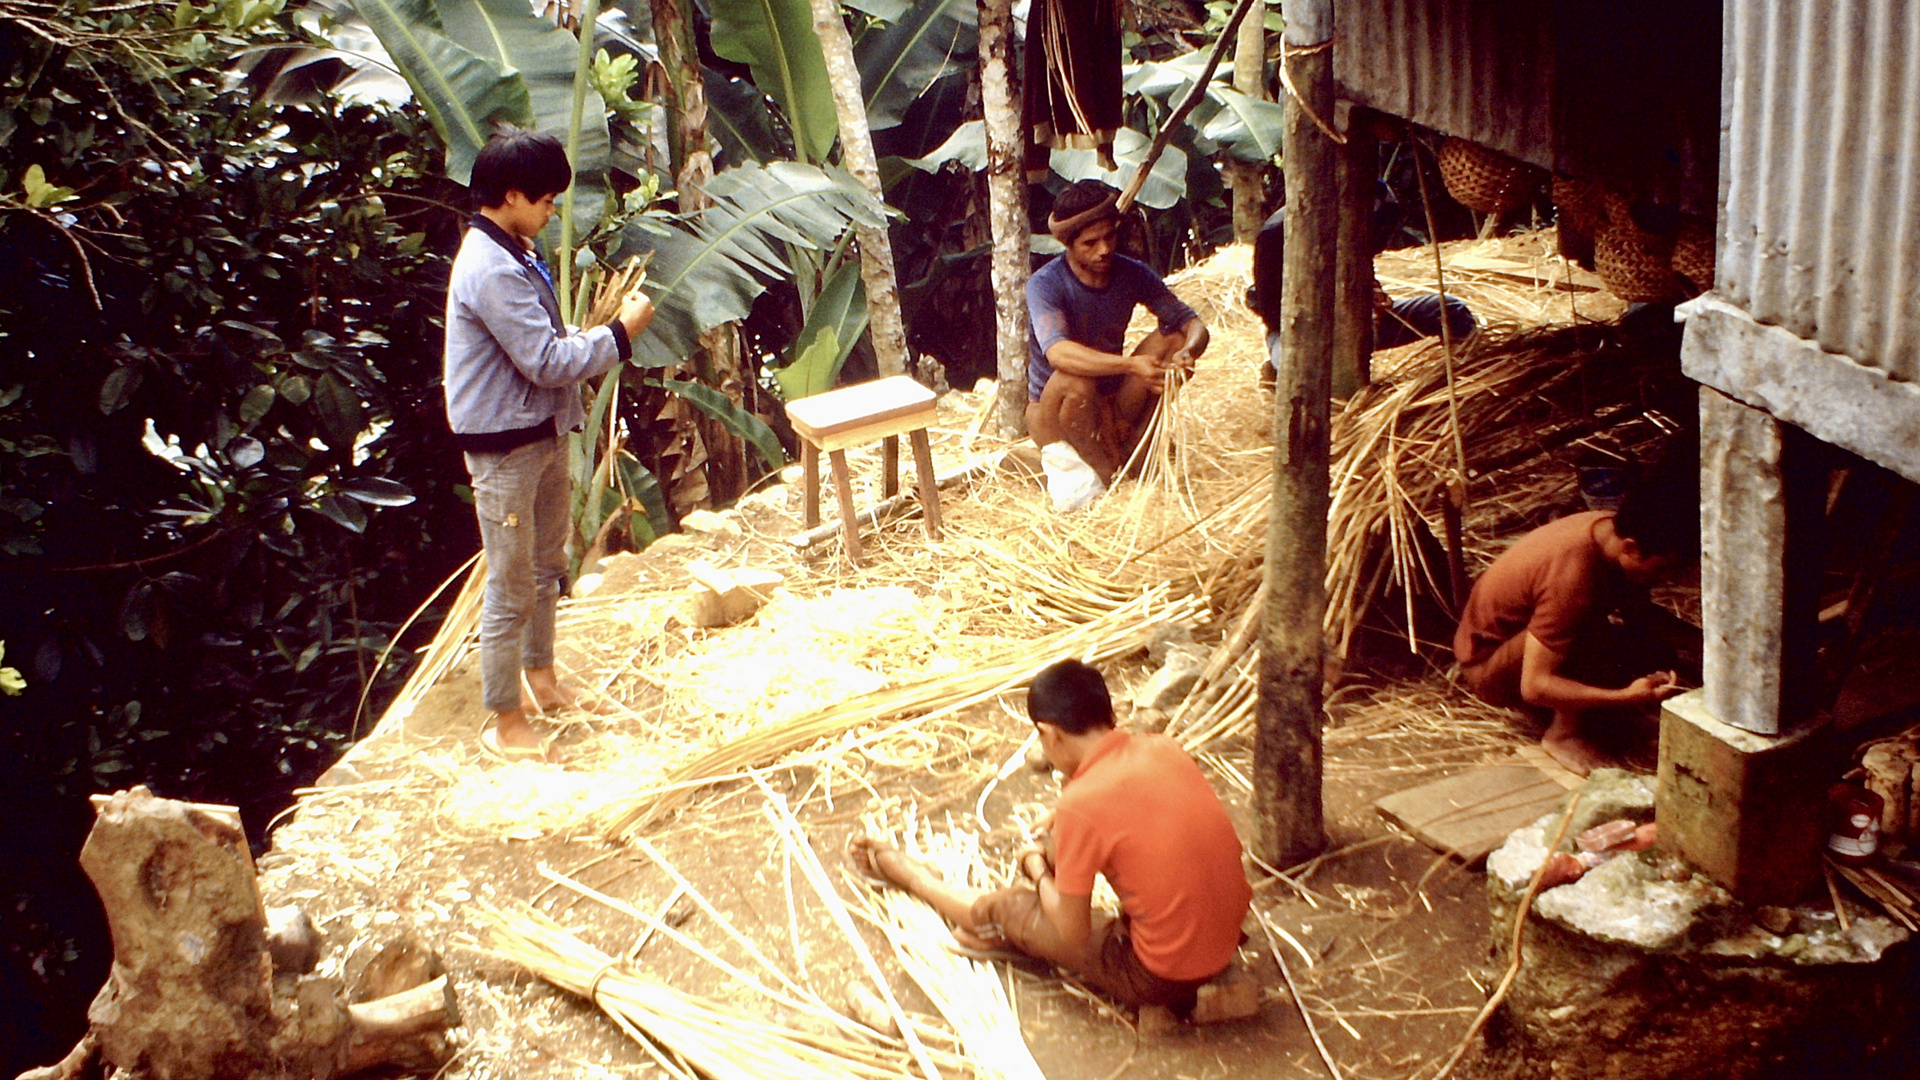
(1547, 585)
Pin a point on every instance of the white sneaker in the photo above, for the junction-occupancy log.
(1071, 482)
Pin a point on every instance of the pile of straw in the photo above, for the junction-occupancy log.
(685, 1034)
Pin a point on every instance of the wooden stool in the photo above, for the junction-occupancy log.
(857, 415)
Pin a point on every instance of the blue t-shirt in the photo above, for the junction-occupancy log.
(1061, 308)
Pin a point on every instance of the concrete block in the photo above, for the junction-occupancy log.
(1748, 810)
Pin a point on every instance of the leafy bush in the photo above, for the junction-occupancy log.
(221, 366)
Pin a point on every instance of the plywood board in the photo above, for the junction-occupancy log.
(1471, 814)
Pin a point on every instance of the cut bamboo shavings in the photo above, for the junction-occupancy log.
(968, 992)
(721, 1042)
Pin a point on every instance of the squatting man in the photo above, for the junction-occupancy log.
(1135, 809)
(1089, 403)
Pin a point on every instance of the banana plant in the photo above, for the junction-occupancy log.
(775, 38)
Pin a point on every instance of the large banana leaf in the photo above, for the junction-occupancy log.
(776, 39)
(748, 427)
(1249, 128)
(1165, 185)
(838, 318)
(738, 119)
(510, 34)
(898, 60)
(709, 266)
(463, 92)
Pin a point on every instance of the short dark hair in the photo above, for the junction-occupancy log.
(532, 163)
(1080, 197)
(1071, 696)
(1661, 513)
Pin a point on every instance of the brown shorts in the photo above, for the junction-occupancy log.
(1107, 962)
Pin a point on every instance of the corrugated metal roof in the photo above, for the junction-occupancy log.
(1481, 71)
(1820, 225)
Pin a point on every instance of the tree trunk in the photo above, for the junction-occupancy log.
(718, 364)
(194, 992)
(1248, 179)
(1007, 210)
(856, 154)
(1287, 748)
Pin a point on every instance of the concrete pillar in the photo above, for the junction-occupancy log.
(1744, 761)
(1761, 505)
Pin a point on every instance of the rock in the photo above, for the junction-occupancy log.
(709, 523)
(1776, 920)
(1037, 759)
(586, 584)
(1164, 637)
(401, 964)
(1150, 721)
(1166, 688)
(292, 941)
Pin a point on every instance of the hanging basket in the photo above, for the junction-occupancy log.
(1579, 203)
(1485, 180)
(1636, 264)
(1693, 253)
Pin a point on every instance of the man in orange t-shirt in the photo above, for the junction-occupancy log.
(1534, 632)
(1135, 809)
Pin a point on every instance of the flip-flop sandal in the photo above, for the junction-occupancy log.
(490, 742)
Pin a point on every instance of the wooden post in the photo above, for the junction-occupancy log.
(1355, 174)
(1006, 212)
(884, 320)
(1287, 750)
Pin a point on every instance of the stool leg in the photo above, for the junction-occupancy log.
(843, 488)
(890, 467)
(810, 483)
(929, 488)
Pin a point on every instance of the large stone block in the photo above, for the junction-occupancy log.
(1748, 810)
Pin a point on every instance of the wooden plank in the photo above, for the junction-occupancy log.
(1526, 273)
(1471, 814)
(1536, 755)
(823, 415)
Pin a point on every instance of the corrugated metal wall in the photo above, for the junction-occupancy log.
(1820, 230)
(1481, 71)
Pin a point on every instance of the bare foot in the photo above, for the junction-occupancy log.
(550, 695)
(881, 862)
(511, 737)
(1579, 756)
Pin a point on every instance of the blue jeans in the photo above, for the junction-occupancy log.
(523, 500)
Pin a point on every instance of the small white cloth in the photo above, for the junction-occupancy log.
(1071, 482)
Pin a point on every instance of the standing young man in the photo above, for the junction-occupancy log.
(1088, 401)
(513, 375)
(1136, 810)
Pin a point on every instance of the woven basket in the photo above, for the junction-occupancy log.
(1579, 203)
(1637, 265)
(1485, 180)
(1693, 253)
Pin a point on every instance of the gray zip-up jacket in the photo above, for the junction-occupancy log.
(512, 368)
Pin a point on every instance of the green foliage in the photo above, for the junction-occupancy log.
(900, 57)
(709, 267)
(776, 39)
(221, 439)
(836, 320)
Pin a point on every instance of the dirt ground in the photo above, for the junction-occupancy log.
(418, 832)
